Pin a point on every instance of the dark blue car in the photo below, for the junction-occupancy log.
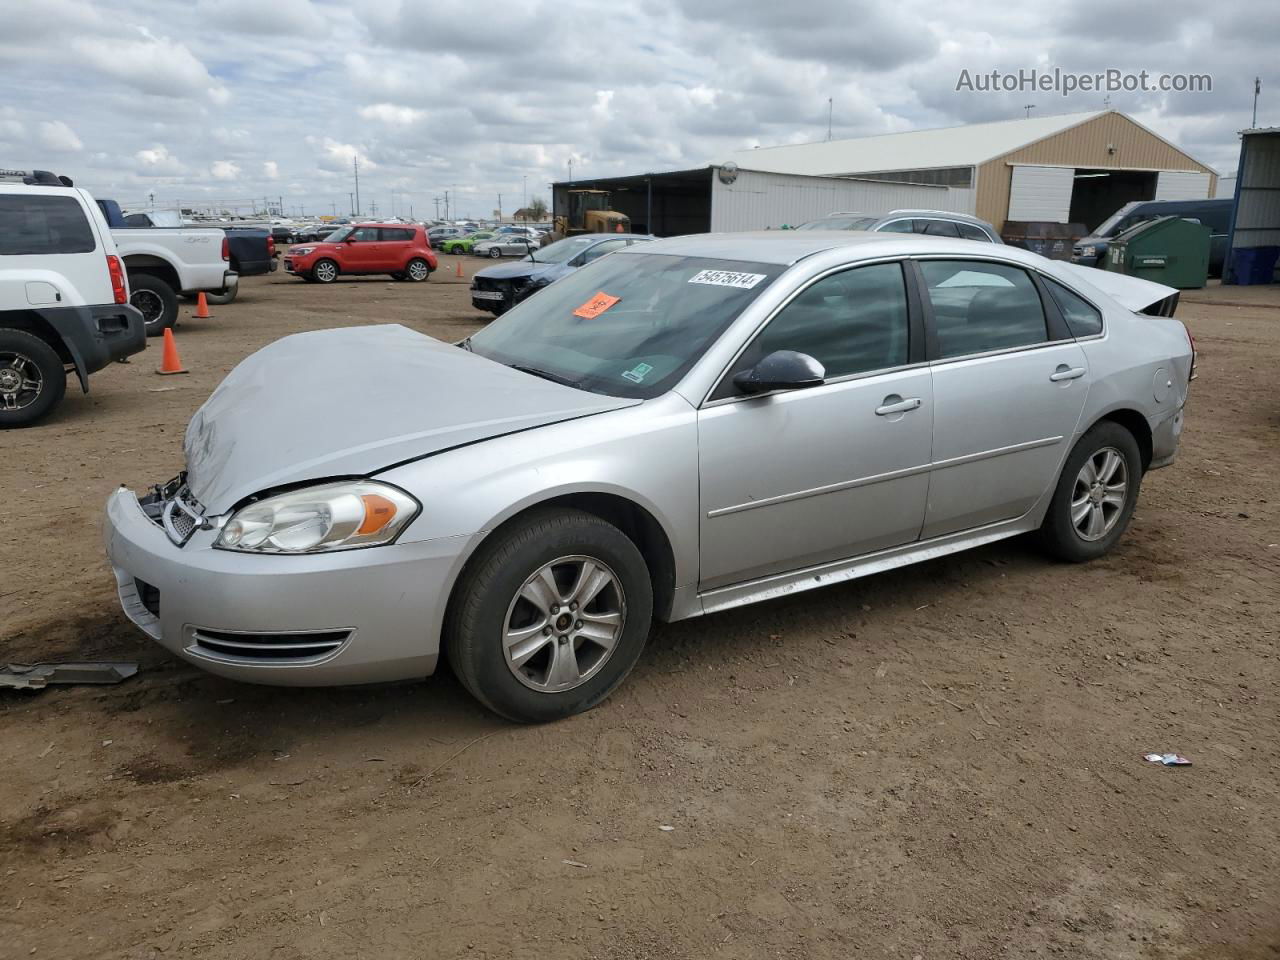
(498, 289)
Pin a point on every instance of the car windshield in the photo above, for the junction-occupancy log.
(339, 235)
(1117, 222)
(629, 325)
(838, 223)
(562, 251)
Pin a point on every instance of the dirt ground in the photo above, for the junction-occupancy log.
(940, 762)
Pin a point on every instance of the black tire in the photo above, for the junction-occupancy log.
(220, 299)
(19, 353)
(156, 299)
(494, 253)
(420, 267)
(476, 622)
(1059, 535)
(320, 272)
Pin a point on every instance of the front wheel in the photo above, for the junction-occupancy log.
(417, 270)
(550, 616)
(324, 271)
(155, 300)
(1095, 496)
(32, 378)
(494, 253)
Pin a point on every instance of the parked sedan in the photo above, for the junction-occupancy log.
(466, 243)
(505, 245)
(931, 223)
(684, 427)
(497, 289)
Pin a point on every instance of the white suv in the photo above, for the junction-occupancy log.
(64, 297)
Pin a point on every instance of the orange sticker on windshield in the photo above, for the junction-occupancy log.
(595, 306)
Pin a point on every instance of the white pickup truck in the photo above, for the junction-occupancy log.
(164, 263)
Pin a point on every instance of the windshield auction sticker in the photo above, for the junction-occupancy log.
(596, 306)
(727, 278)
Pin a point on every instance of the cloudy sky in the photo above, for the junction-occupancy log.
(222, 101)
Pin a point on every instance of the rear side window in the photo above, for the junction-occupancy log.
(389, 233)
(1082, 319)
(937, 228)
(31, 224)
(969, 232)
(979, 307)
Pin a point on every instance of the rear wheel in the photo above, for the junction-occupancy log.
(324, 271)
(155, 300)
(550, 617)
(32, 378)
(494, 253)
(1096, 495)
(418, 270)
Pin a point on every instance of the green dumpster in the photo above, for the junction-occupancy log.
(1168, 250)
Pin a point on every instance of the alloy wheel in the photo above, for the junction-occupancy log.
(149, 304)
(564, 624)
(1100, 493)
(20, 381)
(418, 270)
(325, 271)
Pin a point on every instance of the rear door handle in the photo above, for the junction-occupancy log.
(1066, 373)
(897, 406)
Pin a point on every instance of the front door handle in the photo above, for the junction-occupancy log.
(1066, 373)
(895, 404)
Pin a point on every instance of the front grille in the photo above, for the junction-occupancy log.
(174, 510)
(148, 595)
(274, 647)
(489, 283)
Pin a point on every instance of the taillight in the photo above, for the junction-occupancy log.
(271, 246)
(118, 287)
(226, 248)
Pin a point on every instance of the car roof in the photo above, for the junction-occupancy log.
(789, 246)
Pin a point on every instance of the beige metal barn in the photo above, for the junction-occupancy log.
(1073, 168)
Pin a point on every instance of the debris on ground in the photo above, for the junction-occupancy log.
(36, 676)
(1167, 759)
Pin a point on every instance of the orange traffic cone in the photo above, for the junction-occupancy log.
(169, 362)
(459, 269)
(202, 307)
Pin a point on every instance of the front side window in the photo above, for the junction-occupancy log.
(979, 307)
(1083, 320)
(630, 325)
(365, 235)
(851, 322)
(600, 249)
(39, 225)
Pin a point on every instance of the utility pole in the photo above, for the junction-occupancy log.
(335, 208)
(499, 208)
(352, 197)
(829, 112)
(524, 191)
(446, 205)
(355, 169)
(571, 171)
(1257, 89)
(1028, 107)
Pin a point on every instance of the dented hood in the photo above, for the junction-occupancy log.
(353, 401)
(1132, 293)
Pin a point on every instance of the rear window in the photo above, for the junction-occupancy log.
(31, 224)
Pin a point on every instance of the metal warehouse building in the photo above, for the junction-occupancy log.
(1076, 168)
(725, 197)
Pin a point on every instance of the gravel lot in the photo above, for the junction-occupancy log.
(940, 762)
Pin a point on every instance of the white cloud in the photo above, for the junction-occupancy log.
(271, 170)
(157, 161)
(224, 170)
(151, 64)
(57, 136)
(392, 114)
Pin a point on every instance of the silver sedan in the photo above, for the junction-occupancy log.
(505, 245)
(684, 427)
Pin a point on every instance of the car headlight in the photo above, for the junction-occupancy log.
(332, 516)
(1088, 251)
(303, 251)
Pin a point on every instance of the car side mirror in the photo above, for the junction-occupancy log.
(781, 370)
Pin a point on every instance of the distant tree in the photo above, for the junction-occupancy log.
(536, 209)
